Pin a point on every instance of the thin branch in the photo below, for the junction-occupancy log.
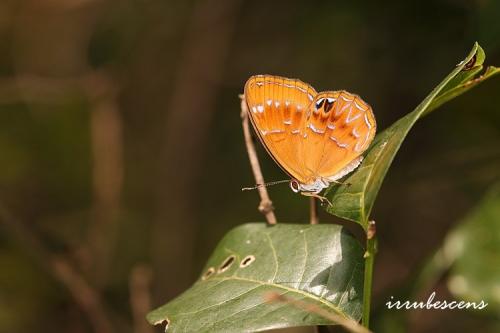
(140, 298)
(107, 171)
(347, 323)
(266, 205)
(313, 210)
(87, 298)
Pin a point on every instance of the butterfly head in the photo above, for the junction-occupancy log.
(295, 185)
(314, 187)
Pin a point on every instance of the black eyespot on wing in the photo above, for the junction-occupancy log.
(319, 103)
(328, 105)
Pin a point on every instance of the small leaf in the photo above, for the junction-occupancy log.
(321, 265)
(474, 248)
(355, 202)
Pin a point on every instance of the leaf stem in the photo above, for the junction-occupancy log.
(371, 250)
(314, 219)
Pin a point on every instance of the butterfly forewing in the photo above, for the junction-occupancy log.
(278, 109)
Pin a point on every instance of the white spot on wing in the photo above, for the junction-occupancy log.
(316, 130)
(331, 126)
(275, 131)
(349, 119)
(260, 108)
(367, 122)
(361, 145)
(358, 146)
(287, 121)
(341, 145)
(342, 109)
(277, 104)
(295, 131)
(269, 102)
(358, 106)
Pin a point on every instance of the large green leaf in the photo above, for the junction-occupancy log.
(355, 202)
(474, 249)
(321, 265)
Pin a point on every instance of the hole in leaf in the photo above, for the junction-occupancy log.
(163, 321)
(226, 264)
(247, 261)
(208, 273)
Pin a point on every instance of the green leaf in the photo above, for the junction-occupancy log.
(321, 265)
(474, 249)
(355, 202)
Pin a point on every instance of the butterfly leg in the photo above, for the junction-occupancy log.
(340, 183)
(317, 196)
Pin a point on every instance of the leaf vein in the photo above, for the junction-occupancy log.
(323, 301)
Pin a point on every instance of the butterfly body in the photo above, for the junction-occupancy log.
(316, 138)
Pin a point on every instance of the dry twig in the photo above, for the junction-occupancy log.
(266, 205)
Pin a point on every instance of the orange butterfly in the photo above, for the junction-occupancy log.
(316, 138)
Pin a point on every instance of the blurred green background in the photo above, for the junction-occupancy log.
(122, 156)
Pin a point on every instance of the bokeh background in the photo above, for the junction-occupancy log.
(122, 156)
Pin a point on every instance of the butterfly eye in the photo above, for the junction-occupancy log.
(295, 186)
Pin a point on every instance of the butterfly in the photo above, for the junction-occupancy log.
(316, 138)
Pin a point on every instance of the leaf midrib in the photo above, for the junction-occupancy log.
(289, 289)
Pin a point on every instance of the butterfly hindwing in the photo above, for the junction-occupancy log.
(340, 128)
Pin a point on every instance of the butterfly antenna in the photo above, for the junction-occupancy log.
(265, 185)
